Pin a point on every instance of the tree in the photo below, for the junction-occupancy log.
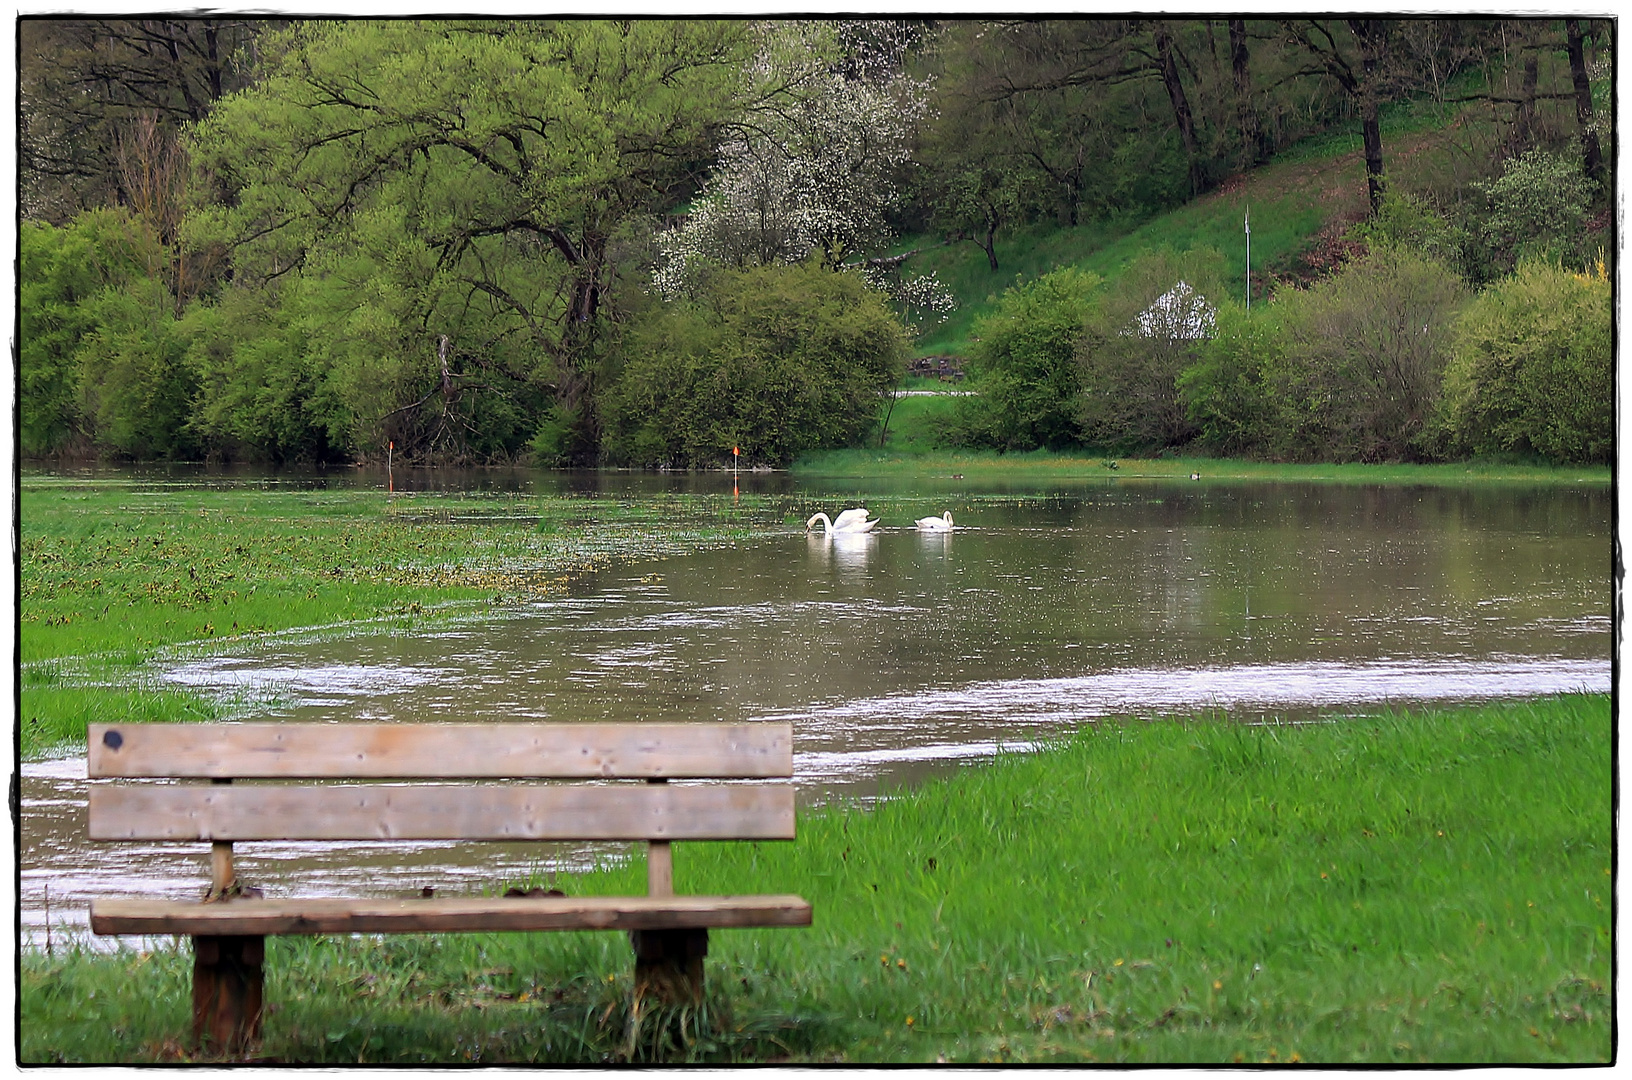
(467, 179)
(807, 168)
(1358, 62)
(1025, 367)
(1591, 156)
(1538, 205)
(1167, 65)
(1153, 324)
(1254, 151)
(81, 82)
(775, 359)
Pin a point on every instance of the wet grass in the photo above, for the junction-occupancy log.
(114, 573)
(1044, 467)
(1396, 888)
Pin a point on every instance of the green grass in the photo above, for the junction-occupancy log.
(1043, 467)
(915, 423)
(115, 572)
(1397, 888)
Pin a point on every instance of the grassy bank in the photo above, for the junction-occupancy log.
(1399, 888)
(1043, 467)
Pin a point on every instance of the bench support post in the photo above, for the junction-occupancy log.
(227, 982)
(669, 965)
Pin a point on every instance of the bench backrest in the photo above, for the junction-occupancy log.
(620, 790)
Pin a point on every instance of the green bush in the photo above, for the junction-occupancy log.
(1537, 207)
(1534, 367)
(261, 391)
(136, 385)
(1154, 323)
(1229, 391)
(70, 281)
(775, 360)
(1365, 354)
(1025, 366)
(1408, 221)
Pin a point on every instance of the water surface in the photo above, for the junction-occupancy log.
(899, 655)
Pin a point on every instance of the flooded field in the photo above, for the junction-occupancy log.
(899, 655)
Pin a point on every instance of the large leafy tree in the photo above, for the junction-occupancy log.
(460, 188)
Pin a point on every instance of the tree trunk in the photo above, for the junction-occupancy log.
(1524, 120)
(1592, 157)
(990, 246)
(1181, 103)
(1252, 138)
(1372, 35)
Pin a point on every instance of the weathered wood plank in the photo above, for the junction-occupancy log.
(746, 811)
(407, 750)
(452, 915)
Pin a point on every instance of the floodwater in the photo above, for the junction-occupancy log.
(899, 655)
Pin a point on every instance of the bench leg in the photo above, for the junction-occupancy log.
(669, 965)
(227, 979)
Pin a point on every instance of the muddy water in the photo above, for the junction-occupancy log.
(898, 655)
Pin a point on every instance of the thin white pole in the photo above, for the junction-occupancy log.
(1246, 223)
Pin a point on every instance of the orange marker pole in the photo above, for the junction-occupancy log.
(736, 453)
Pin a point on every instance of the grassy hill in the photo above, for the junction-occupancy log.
(1300, 204)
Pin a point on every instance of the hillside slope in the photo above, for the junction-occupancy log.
(1300, 205)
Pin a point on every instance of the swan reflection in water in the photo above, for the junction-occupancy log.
(849, 552)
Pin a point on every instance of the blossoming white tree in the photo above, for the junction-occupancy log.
(808, 171)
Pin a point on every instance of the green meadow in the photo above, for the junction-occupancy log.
(1395, 888)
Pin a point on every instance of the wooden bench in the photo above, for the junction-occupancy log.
(610, 783)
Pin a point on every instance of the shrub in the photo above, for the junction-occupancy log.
(1408, 221)
(136, 386)
(1025, 365)
(776, 360)
(1365, 353)
(1155, 322)
(1228, 391)
(67, 278)
(260, 393)
(1538, 207)
(1534, 367)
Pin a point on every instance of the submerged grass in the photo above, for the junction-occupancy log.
(1430, 886)
(114, 572)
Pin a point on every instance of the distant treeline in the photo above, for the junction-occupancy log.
(646, 242)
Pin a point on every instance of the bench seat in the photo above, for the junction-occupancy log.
(259, 917)
(226, 784)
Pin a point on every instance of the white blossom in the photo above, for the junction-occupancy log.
(808, 170)
(1180, 314)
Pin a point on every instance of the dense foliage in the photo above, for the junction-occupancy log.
(480, 240)
(773, 360)
(1534, 367)
(1025, 363)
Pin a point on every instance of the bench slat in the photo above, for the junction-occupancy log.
(398, 750)
(325, 916)
(747, 811)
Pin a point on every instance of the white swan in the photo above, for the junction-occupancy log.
(851, 518)
(851, 521)
(936, 524)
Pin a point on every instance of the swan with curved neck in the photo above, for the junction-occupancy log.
(936, 524)
(850, 521)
